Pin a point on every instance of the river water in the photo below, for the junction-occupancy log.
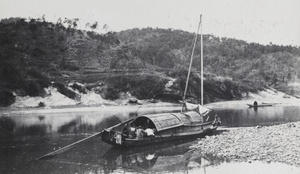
(28, 134)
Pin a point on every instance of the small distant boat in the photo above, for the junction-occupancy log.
(259, 105)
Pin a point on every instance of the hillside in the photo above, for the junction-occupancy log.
(222, 56)
(36, 54)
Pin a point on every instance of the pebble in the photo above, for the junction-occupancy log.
(278, 143)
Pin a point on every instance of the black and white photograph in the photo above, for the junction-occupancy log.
(150, 86)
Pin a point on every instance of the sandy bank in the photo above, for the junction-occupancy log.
(279, 143)
(56, 102)
(92, 108)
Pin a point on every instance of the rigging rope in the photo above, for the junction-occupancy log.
(187, 80)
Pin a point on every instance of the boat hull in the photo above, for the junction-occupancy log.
(179, 133)
(261, 105)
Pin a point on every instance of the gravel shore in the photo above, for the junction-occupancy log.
(279, 143)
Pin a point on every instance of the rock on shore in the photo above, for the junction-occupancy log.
(279, 143)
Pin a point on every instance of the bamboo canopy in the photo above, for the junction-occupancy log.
(171, 120)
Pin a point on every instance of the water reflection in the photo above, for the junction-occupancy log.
(7, 126)
(243, 116)
(26, 136)
(70, 126)
(83, 121)
(170, 157)
(35, 129)
(232, 115)
(162, 158)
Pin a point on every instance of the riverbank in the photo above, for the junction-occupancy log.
(55, 100)
(278, 143)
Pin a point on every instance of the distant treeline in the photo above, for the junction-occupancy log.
(222, 56)
(34, 53)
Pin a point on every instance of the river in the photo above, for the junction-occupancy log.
(29, 134)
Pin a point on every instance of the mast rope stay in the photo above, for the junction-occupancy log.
(201, 42)
(191, 62)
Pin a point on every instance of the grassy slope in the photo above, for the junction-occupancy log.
(35, 53)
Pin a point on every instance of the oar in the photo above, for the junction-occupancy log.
(63, 149)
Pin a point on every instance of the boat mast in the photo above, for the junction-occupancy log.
(201, 60)
(191, 62)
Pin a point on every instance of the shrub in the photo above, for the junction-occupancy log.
(6, 98)
(41, 104)
(112, 93)
(32, 88)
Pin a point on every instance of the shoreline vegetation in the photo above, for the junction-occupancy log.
(56, 100)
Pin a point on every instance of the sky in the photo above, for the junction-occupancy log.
(260, 21)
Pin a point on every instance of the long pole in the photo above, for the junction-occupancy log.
(191, 62)
(201, 61)
(56, 152)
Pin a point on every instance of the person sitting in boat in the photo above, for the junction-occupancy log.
(131, 133)
(140, 133)
(149, 132)
(217, 120)
(132, 159)
(118, 138)
(255, 103)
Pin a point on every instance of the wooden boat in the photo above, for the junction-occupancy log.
(259, 105)
(164, 126)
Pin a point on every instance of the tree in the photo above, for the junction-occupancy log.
(75, 22)
(289, 76)
(94, 26)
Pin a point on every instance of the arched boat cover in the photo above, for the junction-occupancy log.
(170, 120)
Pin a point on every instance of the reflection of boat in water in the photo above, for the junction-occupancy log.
(168, 157)
(159, 158)
(166, 126)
